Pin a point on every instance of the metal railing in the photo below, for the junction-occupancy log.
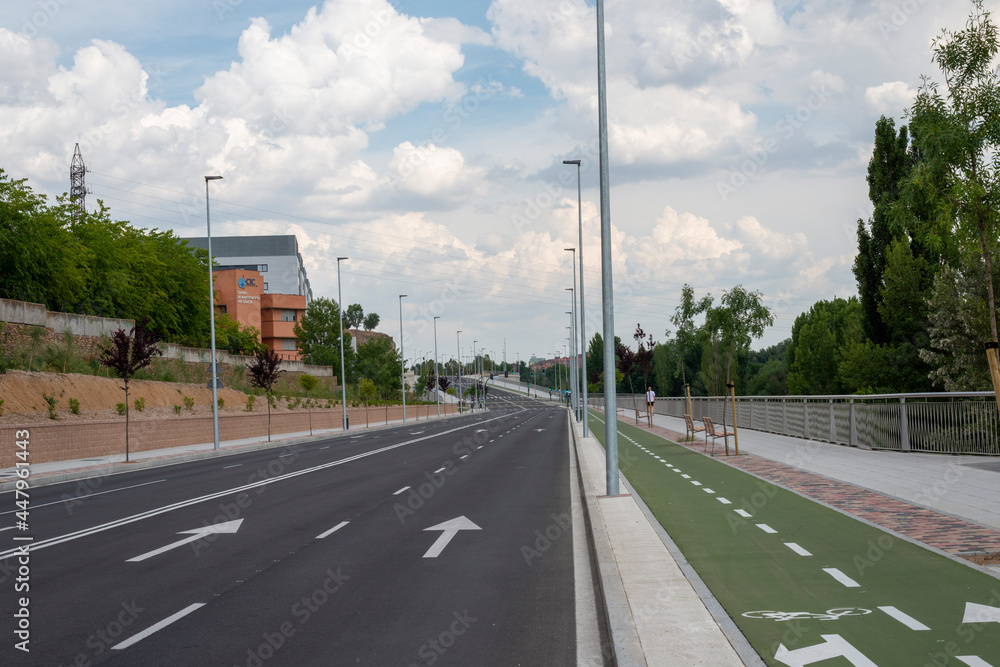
(941, 423)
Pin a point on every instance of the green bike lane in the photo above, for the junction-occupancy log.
(806, 584)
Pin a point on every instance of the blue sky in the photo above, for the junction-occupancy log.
(425, 140)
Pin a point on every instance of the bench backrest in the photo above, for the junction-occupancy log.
(709, 426)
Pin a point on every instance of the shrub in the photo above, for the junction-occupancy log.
(221, 402)
(1, 407)
(51, 400)
(177, 409)
(250, 401)
(74, 406)
(121, 408)
(189, 403)
(140, 404)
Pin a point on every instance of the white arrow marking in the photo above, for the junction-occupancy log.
(196, 534)
(980, 613)
(450, 529)
(834, 646)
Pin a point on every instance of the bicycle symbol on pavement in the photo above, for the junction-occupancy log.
(828, 615)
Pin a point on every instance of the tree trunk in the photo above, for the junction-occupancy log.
(268, 396)
(991, 351)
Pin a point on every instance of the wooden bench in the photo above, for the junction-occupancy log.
(691, 428)
(713, 432)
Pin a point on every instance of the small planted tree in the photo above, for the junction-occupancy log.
(264, 373)
(308, 383)
(367, 391)
(127, 353)
(644, 361)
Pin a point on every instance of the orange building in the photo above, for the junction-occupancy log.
(240, 294)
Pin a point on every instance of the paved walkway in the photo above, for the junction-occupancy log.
(946, 502)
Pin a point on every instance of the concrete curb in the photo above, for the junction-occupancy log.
(625, 645)
(44, 479)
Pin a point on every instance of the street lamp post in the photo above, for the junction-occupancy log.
(573, 366)
(576, 352)
(583, 309)
(402, 358)
(475, 374)
(458, 377)
(343, 380)
(211, 318)
(437, 373)
(607, 278)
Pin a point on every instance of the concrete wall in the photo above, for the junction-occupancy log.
(22, 312)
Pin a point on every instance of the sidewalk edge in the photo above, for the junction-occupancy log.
(625, 645)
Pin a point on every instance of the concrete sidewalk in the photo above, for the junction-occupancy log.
(959, 486)
(658, 610)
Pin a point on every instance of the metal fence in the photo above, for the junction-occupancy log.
(944, 423)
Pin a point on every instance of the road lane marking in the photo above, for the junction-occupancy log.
(708, 490)
(334, 529)
(696, 482)
(405, 488)
(766, 528)
(158, 626)
(724, 501)
(439, 470)
(905, 619)
(328, 446)
(450, 530)
(235, 465)
(973, 661)
(89, 495)
(797, 549)
(464, 456)
(743, 513)
(221, 494)
(841, 577)
(686, 476)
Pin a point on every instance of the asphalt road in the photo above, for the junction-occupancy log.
(434, 543)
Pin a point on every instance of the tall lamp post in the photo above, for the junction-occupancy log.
(572, 364)
(437, 373)
(343, 380)
(211, 319)
(458, 377)
(576, 355)
(475, 374)
(402, 359)
(607, 278)
(583, 310)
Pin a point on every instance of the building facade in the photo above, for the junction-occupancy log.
(276, 258)
(239, 293)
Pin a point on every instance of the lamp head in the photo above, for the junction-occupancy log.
(213, 178)
(576, 162)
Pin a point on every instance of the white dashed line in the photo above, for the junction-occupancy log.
(724, 501)
(402, 490)
(743, 513)
(464, 457)
(766, 528)
(706, 490)
(841, 577)
(973, 661)
(686, 476)
(905, 619)
(235, 465)
(797, 549)
(158, 626)
(438, 470)
(332, 530)
(696, 483)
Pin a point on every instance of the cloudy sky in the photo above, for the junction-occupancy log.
(424, 139)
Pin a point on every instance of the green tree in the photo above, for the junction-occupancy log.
(819, 339)
(379, 361)
(236, 338)
(958, 130)
(318, 335)
(371, 321)
(683, 320)
(354, 315)
(890, 164)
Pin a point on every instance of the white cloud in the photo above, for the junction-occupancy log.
(433, 171)
(890, 98)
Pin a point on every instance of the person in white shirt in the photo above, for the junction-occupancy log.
(650, 400)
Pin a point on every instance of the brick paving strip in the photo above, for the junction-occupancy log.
(954, 536)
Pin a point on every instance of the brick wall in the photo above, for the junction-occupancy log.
(61, 442)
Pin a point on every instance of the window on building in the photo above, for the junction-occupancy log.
(265, 287)
(288, 344)
(222, 308)
(287, 315)
(262, 268)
